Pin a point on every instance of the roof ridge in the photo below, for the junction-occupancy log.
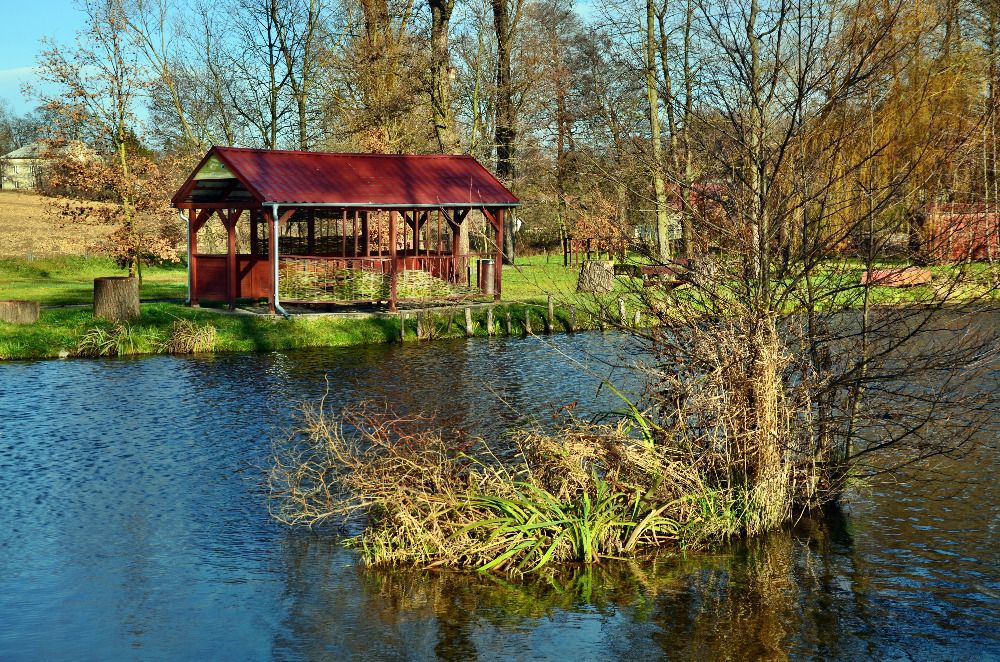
(344, 154)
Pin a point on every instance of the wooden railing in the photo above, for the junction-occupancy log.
(313, 278)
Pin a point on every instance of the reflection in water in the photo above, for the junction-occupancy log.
(133, 526)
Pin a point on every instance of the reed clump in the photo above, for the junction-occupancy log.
(189, 337)
(406, 491)
(118, 339)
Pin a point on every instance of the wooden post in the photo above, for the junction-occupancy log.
(393, 275)
(311, 232)
(621, 312)
(254, 230)
(343, 233)
(497, 279)
(193, 257)
(469, 329)
(232, 275)
(551, 317)
(637, 319)
(456, 247)
(489, 321)
(572, 319)
(440, 247)
(421, 326)
(402, 327)
(527, 321)
(272, 261)
(508, 323)
(354, 230)
(366, 234)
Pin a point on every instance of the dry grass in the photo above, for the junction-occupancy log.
(430, 497)
(30, 228)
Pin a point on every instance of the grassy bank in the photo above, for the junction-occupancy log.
(64, 286)
(164, 328)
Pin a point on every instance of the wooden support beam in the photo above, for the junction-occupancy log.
(231, 275)
(272, 257)
(366, 233)
(311, 232)
(254, 230)
(393, 275)
(217, 205)
(498, 267)
(456, 257)
(440, 246)
(193, 256)
(427, 232)
(343, 233)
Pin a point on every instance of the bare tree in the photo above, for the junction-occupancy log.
(506, 16)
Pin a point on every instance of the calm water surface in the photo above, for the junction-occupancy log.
(132, 526)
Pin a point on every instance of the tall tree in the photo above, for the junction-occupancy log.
(506, 15)
(442, 113)
(99, 83)
(655, 138)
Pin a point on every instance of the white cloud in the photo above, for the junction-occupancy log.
(16, 72)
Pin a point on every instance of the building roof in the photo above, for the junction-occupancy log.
(248, 176)
(44, 150)
(30, 151)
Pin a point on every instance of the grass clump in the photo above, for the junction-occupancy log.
(424, 495)
(189, 337)
(118, 339)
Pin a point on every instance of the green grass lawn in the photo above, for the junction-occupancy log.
(70, 279)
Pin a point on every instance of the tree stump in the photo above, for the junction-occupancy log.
(596, 276)
(116, 298)
(19, 312)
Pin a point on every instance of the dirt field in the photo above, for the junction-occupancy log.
(29, 228)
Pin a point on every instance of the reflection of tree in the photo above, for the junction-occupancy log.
(797, 594)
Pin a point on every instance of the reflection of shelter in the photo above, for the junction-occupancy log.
(322, 227)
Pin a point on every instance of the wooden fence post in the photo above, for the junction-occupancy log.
(469, 329)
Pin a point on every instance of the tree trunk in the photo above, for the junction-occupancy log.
(652, 94)
(116, 298)
(19, 312)
(505, 131)
(596, 276)
(442, 115)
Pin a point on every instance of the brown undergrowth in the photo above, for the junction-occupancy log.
(429, 496)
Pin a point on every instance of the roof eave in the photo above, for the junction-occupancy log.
(400, 205)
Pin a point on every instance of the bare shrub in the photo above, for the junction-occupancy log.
(427, 496)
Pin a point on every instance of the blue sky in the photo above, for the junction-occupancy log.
(24, 25)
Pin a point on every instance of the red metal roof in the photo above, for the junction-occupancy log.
(289, 177)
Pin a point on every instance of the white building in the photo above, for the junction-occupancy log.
(22, 168)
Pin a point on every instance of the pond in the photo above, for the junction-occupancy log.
(133, 526)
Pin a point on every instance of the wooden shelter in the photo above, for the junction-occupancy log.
(955, 232)
(321, 227)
